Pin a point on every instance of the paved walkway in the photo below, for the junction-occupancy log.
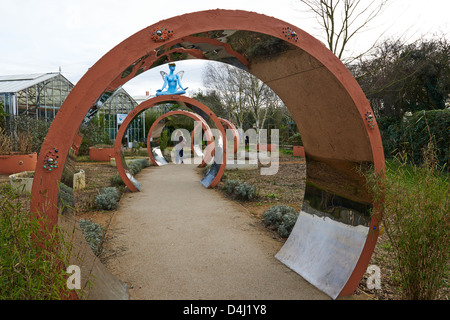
(178, 240)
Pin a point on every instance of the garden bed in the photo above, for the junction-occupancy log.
(287, 188)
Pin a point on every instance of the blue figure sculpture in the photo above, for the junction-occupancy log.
(172, 81)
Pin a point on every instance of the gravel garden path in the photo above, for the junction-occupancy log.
(177, 240)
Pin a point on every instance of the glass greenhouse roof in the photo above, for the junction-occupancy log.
(16, 83)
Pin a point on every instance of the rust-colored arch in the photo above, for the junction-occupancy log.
(124, 173)
(147, 61)
(201, 122)
(229, 126)
(324, 99)
(234, 131)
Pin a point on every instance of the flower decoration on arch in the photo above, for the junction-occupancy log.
(162, 34)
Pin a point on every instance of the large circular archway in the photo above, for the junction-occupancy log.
(327, 247)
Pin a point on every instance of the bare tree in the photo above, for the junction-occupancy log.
(258, 99)
(241, 93)
(342, 19)
(404, 77)
(224, 80)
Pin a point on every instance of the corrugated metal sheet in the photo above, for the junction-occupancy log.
(16, 83)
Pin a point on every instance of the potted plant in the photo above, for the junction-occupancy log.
(16, 153)
(298, 149)
(101, 152)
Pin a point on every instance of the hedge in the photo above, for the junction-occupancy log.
(413, 134)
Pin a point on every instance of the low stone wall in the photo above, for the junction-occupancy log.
(23, 181)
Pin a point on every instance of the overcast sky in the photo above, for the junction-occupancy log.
(42, 36)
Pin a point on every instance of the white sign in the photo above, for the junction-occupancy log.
(120, 118)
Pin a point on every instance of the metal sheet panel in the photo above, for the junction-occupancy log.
(198, 151)
(323, 251)
(210, 175)
(159, 158)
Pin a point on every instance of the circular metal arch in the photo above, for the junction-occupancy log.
(201, 122)
(126, 176)
(228, 126)
(332, 113)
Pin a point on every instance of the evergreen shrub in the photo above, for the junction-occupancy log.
(93, 233)
(240, 189)
(108, 199)
(281, 218)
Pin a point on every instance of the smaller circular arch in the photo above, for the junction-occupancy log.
(124, 173)
(196, 117)
(235, 132)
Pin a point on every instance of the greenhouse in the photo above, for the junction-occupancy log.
(36, 95)
(41, 95)
(114, 110)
